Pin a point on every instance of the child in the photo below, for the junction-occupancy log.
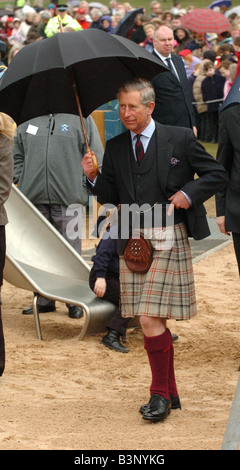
(104, 281)
(212, 90)
(224, 69)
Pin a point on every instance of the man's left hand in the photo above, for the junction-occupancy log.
(178, 201)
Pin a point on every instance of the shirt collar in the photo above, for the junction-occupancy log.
(147, 132)
(163, 58)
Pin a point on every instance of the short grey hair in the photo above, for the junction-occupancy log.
(147, 93)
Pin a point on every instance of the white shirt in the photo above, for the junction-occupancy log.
(145, 136)
(164, 60)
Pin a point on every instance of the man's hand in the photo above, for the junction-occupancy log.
(88, 166)
(100, 286)
(178, 201)
(195, 131)
(221, 224)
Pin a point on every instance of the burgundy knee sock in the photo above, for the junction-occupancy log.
(158, 350)
(171, 380)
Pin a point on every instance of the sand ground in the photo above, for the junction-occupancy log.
(62, 394)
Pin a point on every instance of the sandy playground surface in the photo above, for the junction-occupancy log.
(62, 394)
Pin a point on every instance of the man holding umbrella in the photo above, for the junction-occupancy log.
(154, 165)
(53, 25)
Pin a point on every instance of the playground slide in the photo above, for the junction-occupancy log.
(40, 260)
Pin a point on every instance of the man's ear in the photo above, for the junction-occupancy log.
(151, 107)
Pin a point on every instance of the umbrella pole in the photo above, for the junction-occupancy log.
(79, 109)
(76, 97)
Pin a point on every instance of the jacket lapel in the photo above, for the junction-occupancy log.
(171, 75)
(125, 164)
(164, 155)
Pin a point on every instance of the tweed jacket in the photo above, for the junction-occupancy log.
(179, 157)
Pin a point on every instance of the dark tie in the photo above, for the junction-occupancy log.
(171, 66)
(139, 148)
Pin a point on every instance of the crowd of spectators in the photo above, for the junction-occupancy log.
(26, 23)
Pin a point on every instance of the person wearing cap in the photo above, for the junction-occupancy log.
(53, 26)
(189, 60)
(9, 26)
(51, 9)
(80, 16)
(15, 37)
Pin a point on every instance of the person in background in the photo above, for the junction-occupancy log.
(182, 37)
(96, 14)
(53, 26)
(149, 29)
(173, 97)
(106, 23)
(81, 18)
(201, 107)
(139, 35)
(104, 280)
(6, 173)
(190, 61)
(47, 168)
(212, 90)
(225, 70)
(15, 37)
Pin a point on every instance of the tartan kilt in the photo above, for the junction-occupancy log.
(167, 290)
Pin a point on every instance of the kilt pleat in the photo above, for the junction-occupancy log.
(167, 290)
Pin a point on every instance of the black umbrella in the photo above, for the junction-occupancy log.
(55, 75)
(233, 96)
(127, 22)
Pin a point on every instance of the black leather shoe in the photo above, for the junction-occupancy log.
(159, 409)
(41, 309)
(175, 404)
(111, 341)
(75, 312)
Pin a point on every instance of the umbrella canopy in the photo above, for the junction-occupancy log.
(127, 22)
(220, 3)
(233, 96)
(40, 78)
(233, 10)
(202, 20)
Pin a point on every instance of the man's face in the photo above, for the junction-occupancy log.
(62, 13)
(163, 43)
(134, 115)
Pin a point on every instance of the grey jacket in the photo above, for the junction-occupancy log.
(6, 173)
(47, 158)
